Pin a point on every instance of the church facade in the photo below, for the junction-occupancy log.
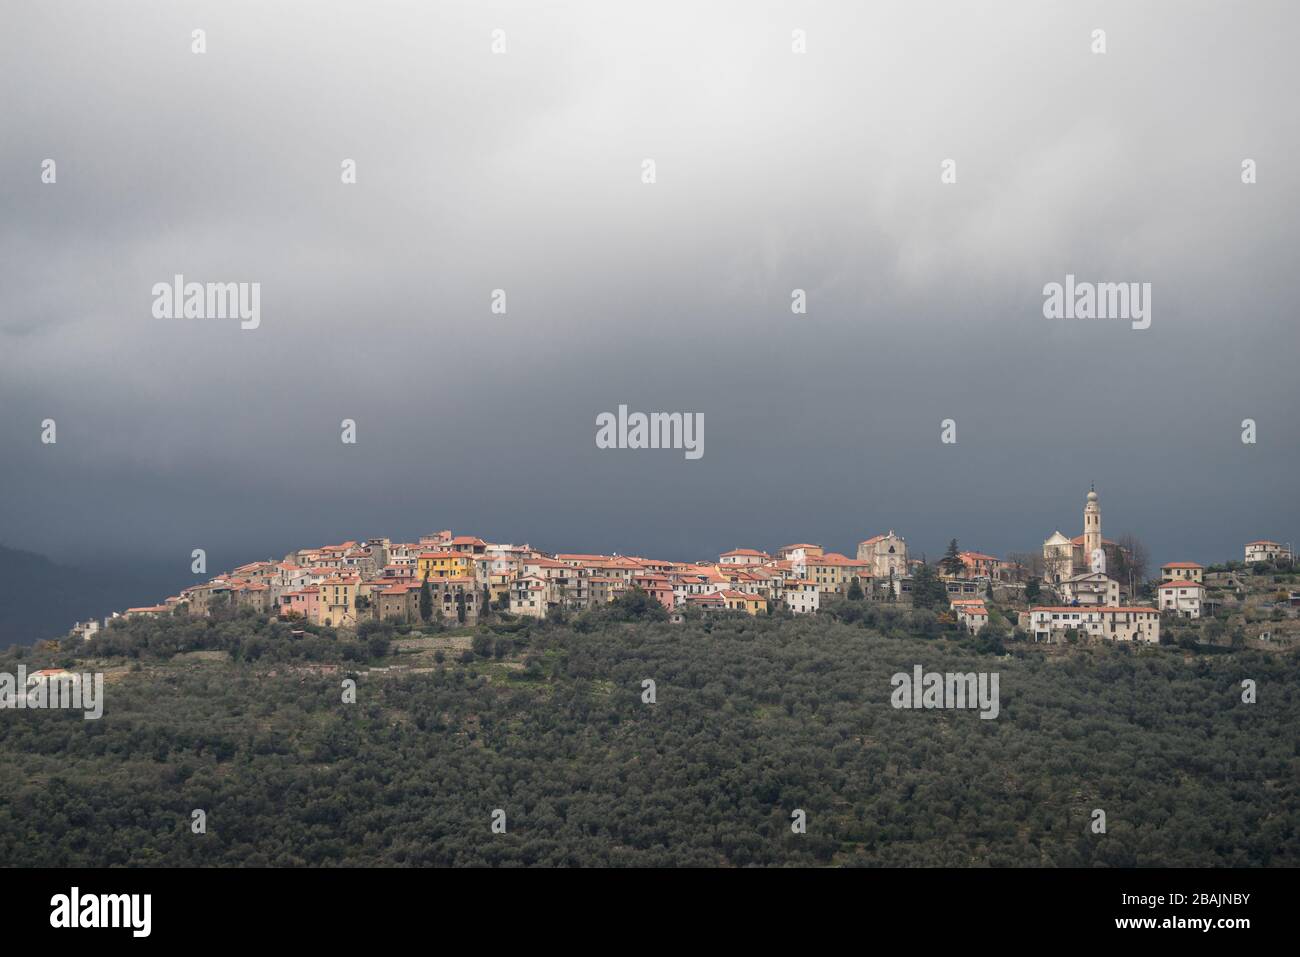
(886, 554)
(1067, 558)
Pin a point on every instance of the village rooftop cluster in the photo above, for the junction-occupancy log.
(347, 584)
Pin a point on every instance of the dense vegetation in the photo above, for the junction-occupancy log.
(754, 718)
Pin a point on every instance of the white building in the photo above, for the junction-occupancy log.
(1266, 551)
(801, 596)
(528, 596)
(743, 556)
(1058, 557)
(86, 629)
(1135, 623)
(798, 552)
(688, 586)
(1182, 598)
(1094, 588)
(971, 614)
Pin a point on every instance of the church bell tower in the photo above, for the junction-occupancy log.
(1091, 526)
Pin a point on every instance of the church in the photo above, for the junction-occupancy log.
(1066, 558)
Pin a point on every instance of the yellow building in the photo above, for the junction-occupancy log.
(337, 605)
(834, 573)
(444, 565)
(743, 601)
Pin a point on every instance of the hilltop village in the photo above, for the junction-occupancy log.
(1084, 585)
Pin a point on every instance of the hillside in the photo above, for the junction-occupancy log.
(41, 599)
(754, 717)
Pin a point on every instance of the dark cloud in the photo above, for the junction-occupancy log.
(522, 172)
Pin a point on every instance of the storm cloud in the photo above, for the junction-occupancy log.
(522, 172)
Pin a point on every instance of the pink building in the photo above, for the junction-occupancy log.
(305, 602)
(659, 587)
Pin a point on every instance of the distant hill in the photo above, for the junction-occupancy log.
(41, 599)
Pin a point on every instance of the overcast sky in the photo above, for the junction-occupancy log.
(522, 171)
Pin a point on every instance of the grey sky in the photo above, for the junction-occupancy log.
(522, 172)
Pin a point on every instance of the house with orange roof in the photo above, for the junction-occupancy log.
(568, 583)
(715, 577)
(263, 573)
(977, 565)
(686, 585)
(544, 567)
(147, 611)
(582, 559)
(1267, 551)
(801, 550)
(743, 601)
(656, 565)
(202, 599)
(1182, 571)
(627, 566)
(302, 603)
(467, 545)
(762, 580)
(743, 556)
(713, 601)
(343, 548)
(1182, 598)
(602, 589)
(742, 579)
(396, 601)
(657, 586)
(251, 594)
(777, 573)
(971, 613)
(581, 566)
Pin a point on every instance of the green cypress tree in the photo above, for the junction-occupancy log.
(951, 561)
(426, 600)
